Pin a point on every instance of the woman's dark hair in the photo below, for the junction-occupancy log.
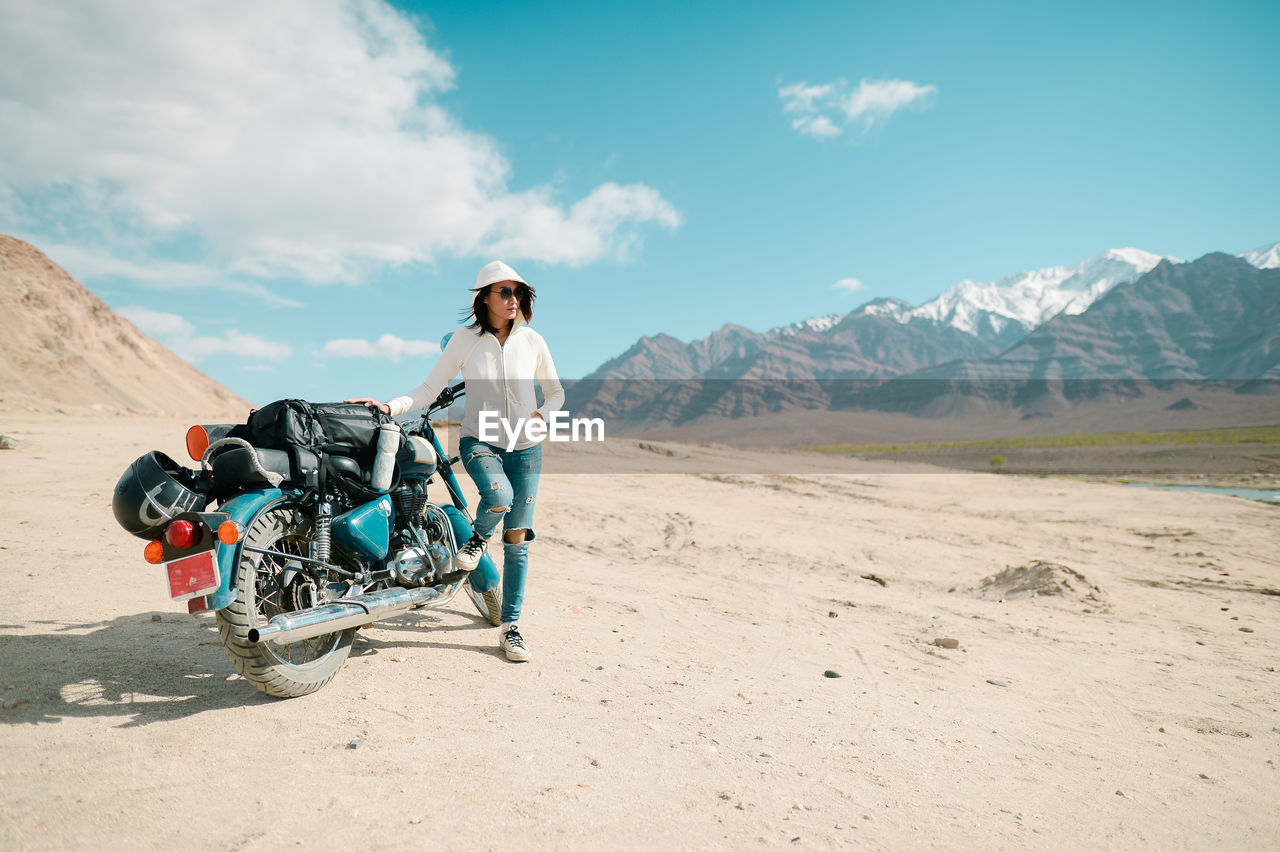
(479, 312)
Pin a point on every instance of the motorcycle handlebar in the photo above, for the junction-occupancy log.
(447, 397)
(444, 400)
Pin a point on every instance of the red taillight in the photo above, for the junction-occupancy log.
(154, 552)
(181, 534)
(197, 442)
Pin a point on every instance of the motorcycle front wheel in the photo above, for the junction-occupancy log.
(267, 584)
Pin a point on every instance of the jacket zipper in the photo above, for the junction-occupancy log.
(502, 366)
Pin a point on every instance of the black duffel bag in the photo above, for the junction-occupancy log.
(344, 428)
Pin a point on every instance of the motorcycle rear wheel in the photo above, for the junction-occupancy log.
(284, 671)
(488, 604)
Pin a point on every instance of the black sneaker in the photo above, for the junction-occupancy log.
(468, 557)
(512, 643)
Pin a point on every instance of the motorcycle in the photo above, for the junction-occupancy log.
(314, 535)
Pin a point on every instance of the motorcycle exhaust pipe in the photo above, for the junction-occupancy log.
(352, 612)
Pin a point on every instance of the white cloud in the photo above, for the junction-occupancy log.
(587, 231)
(876, 100)
(295, 138)
(157, 324)
(801, 97)
(179, 335)
(848, 285)
(83, 262)
(86, 263)
(387, 346)
(826, 110)
(816, 125)
(233, 342)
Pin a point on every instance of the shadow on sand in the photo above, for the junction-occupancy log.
(154, 666)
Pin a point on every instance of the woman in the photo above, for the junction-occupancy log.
(500, 358)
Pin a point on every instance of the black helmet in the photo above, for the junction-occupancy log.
(153, 490)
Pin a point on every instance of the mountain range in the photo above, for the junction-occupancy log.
(1215, 318)
(1125, 315)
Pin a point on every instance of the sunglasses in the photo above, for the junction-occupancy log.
(507, 292)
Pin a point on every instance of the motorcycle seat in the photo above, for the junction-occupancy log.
(234, 467)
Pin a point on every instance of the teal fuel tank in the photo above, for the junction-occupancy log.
(366, 529)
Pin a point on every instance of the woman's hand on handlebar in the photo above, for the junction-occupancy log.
(372, 403)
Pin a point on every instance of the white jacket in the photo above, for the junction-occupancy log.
(499, 378)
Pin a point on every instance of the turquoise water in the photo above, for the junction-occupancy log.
(1266, 495)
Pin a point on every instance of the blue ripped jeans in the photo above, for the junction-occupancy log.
(508, 486)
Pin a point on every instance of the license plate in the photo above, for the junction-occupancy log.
(193, 575)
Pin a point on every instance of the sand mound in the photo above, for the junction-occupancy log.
(61, 345)
(1040, 579)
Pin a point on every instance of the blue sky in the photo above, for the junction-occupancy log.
(271, 189)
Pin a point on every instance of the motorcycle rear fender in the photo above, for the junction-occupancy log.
(242, 508)
(485, 577)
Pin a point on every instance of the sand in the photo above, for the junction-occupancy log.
(683, 626)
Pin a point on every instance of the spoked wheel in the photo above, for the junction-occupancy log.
(268, 584)
(488, 604)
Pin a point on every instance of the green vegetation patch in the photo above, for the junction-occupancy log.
(1239, 435)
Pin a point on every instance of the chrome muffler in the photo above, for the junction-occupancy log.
(351, 612)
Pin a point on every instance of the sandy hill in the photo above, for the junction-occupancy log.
(61, 345)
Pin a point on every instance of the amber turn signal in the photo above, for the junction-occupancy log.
(197, 442)
(154, 552)
(229, 532)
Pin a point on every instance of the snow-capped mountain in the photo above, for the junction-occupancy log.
(1216, 318)
(1009, 308)
(1263, 257)
(1003, 311)
(817, 324)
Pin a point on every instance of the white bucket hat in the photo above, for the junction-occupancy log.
(495, 271)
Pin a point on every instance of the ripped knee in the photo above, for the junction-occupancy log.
(496, 493)
(516, 536)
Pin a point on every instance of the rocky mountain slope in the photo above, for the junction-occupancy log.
(62, 346)
(862, 344)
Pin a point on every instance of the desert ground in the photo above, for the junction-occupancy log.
(803, 651)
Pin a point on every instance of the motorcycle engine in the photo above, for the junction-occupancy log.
(415, 564)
